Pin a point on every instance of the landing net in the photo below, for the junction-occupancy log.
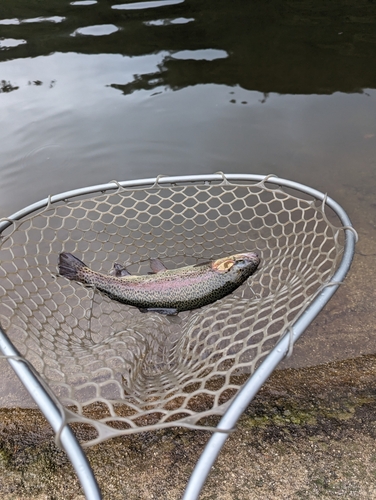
(122, 371)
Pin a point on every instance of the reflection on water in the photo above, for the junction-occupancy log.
(146, 5)
(141, 88)
(99, 30)
(180, 87)
(84, 2)
(166, 22)
(53, 19)
(6, 43)
(200, 55)
(7, 86)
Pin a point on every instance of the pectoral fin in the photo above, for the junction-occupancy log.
(157, 266)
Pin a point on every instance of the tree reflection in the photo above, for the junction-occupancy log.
(289, 47)
(7, 86)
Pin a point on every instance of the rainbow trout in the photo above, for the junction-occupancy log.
(166, 291)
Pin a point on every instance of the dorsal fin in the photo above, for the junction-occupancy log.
(156, 266)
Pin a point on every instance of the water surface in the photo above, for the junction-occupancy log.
(92, 91)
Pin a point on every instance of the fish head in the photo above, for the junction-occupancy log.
(246, 259)
(243, 261)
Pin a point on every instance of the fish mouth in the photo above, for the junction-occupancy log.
(240, 260)
(249, 256)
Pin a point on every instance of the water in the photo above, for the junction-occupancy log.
(92, 91)
(95, 91)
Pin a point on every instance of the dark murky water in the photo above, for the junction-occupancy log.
(92, 91)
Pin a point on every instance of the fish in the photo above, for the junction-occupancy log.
(166, 291)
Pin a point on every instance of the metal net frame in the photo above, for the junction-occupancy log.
(108, 365)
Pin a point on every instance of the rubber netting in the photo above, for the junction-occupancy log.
(123, 371)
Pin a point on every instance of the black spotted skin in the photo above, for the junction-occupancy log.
(179, 290)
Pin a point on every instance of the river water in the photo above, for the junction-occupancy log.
(92, 91)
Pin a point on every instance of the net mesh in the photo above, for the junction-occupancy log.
(122, 371)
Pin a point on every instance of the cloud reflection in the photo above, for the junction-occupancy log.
(84, 2)
(7, 22)
(99, 30)
(15, 21)
(200, 55)
(6, 43)
(145, 5)
(168, 22)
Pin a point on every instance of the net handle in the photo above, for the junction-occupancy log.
(284, 346)
(54, 416)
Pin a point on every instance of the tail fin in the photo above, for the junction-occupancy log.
(69, 266)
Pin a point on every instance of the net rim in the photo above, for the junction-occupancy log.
(175, 180)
